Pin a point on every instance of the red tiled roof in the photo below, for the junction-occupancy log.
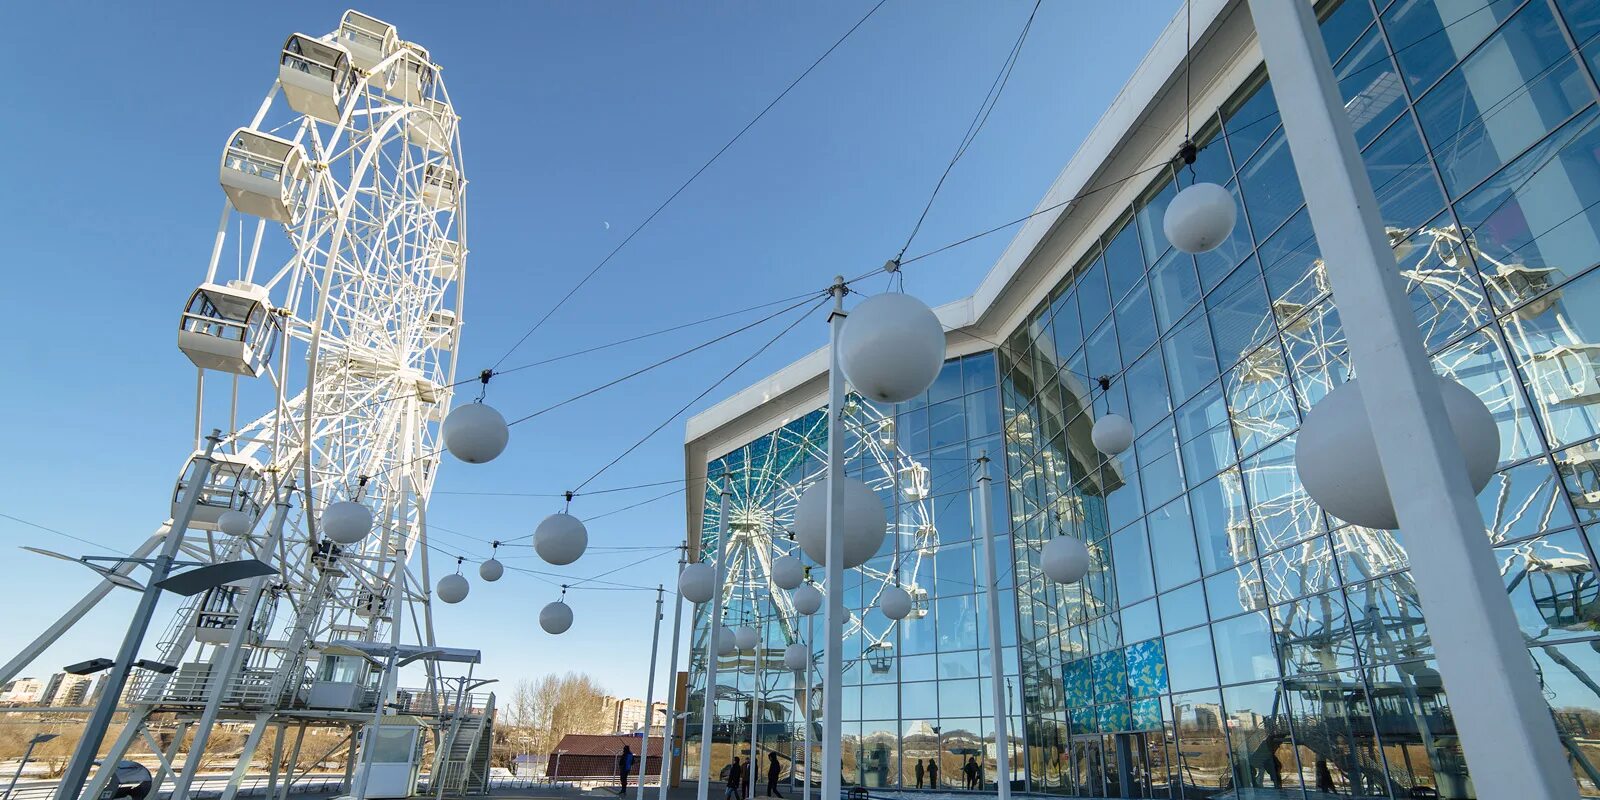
(588, 744)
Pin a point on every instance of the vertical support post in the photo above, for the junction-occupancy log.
(833, 616)
(1504, 722)
(94, 731)
(294, 761)
(708, 711)
(670, 727)
(991, 577)
(755, 701)
(277, 758)
(650, 698)
(811, 626)
(27, 754)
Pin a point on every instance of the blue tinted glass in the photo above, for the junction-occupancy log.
(1130, 558)
(977, 371)
(1342, 23)
(1136, 322)
(1221, 522)
(1140, 621)
(1244, 649)
(1252, 122)
(1430, 36)
(1271, 187)
(1408, 193)
(1174, 287)
(1147, 391)
(1183, 608)
(1094, 299)
(1124, 264)
(1235, 592)
(1191, 361)
(1104, 358)
(1172, 545)
(948, 384)
(1370, 89)
(1149, 218)
(1239, 316)
(1189, 660)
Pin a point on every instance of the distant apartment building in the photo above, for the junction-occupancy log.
(52, 687)
(627, 714)
(73, 690)
(22, 691)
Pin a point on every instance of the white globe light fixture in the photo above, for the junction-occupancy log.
(1112, 434)
(795, 657)
(555, 618)
(895, 603)
(1200, 218)
(1065, 559)
(807, 599)
(862, 526)
(891, 347)
(491, 570)
(453, 588)
(234, 523)
(475, 433)
(788, 572)
(697, 582)
(725, 642)
(1337, 458)
(346, 521)
(746, 637)
(560, 539)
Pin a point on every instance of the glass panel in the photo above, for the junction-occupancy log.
(1221, 522)
(1172, 545)
(1557, 347)
(1183, 608)
(1244, 648)
(1174, 287)
(1191, 361)
(1552, 586)
(1567, 675)
(1408, 193)
(1314, 635)
(1130, 558)
(1258, 730)
(1332, 726)
(1094, 299)
(1368, 85)
(1124, 264)
(1417, 29)
(1271, 187)
(1136, 322)
(1202, 743)
(1238, 313)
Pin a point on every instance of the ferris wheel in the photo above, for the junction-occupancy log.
(766, 479)
(330, 311)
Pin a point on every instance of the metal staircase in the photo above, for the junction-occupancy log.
(464, 756)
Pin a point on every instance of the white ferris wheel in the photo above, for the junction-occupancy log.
(765, 480)
(329, 313)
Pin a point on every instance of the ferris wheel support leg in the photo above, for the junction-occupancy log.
(22, 659)
(158, 780)
(277, 758)
(119, 747)
(294, 761)
(233, 656)
(246, 755)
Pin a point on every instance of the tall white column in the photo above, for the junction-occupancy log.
(991, 578)
(805, 791)
(650, 699)
(1505, 725)
(713, 633)
(669, 731)
(833, 616)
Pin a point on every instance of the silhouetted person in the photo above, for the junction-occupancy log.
(920, 770)
(772, 775)
(1324, 777)
(624, 766)
(1275, 771)
(734, 773)
(933, 773)
(970, 771)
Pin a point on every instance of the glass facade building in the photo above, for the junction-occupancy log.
(1230, 634)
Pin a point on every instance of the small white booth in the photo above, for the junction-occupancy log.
(396, 758)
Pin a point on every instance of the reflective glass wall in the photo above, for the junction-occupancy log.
(1230, 634)
(917, 693)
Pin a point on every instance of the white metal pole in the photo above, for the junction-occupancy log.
(991, 576)
(755, 703)
(94, 730)
(713, 633)
(650, 697)
(670, 725)
(833, 617)
(24, 765)
(1505, 725)
(811, 626)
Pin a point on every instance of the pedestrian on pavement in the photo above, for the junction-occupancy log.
(772, 775)
(933, 773)
(734, 773)
(920, 770)
(624, 766)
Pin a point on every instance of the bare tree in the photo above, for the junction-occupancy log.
(542, 710)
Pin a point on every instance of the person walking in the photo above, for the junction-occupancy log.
(969, 770)
(624, 766)
(735, 772)
(920, 771)
(772, 774)
(933, 773)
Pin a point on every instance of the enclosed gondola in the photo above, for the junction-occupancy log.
(229, 328)
(317, 76)
(263, 174)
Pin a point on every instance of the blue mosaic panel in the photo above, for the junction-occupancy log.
(1114, 718)
(1110, 677)
(1147, 669)
(1083, 720)
(1147, 714)
(1078, 677)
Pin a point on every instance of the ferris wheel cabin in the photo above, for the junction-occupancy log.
(263, 175)
(368, 39)
(439, 185)
(431, 129)
(231, 486)
(229, 328)
(411, 77)
(316, 76)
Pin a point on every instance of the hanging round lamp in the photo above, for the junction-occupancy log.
(475, 433)
(234, 523)
(1065, 559)
(1199, 218)
(555, 617)
(807, 599)
(726, 646)
(746, 637)
(453, 588)
(796, 657)
(560, 539)
(862, 526)
(891, 347)
(895, 603)
(491, 570)
(697, 582)
(1337, 457)
(788, 572)
(346, 521)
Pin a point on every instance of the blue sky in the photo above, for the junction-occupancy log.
(575, 115)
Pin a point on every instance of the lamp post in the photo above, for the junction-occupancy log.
(670, 724)
(650, 698)
(708, 704)
(833, 614)
(38, 739)
(1506, 728)
(1002, 739)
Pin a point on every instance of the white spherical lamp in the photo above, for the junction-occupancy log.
(475, 433)
(555, 618)
(726, 646)
(234, 523)
(346, 522)
(1200, 217)
(895, 603)
(1112, 434)
(788, 572)
(491, 570)
(1337, 457)
(862, 526)
(453, 588)
(746, 637)
(697, 582)
(1065, 559)
(807, 599)
(795, 657)
(560, 539)
(892, 347)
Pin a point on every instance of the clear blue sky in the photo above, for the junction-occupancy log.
(574, 115)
